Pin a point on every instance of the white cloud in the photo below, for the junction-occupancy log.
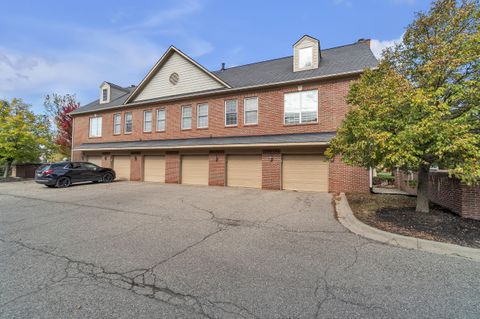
(93, 55)
(378, 46)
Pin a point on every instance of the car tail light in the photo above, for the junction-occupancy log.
(48, 171)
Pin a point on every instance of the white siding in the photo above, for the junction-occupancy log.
(305, 43)
(191, 79)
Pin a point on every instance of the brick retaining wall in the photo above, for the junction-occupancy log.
(446, 192)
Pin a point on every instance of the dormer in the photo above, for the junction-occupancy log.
(306, 54)
(110, 91)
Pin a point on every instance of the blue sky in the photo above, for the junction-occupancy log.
(72, 46)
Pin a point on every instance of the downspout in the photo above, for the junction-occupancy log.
(370, 179)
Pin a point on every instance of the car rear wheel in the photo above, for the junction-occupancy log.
(107, 178)
(63, 182)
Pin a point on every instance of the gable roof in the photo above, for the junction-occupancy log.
(161, 62)
(305, 36)
(342, 60)
(113, 85)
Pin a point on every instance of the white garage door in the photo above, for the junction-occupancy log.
(121, 166)
(97, 160)
(154, 169)
(244, 171)
(195, 169)
(305, 173)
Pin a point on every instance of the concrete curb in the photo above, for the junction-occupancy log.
(347, 219)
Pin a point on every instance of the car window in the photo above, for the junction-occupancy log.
(76, 165)
(69, 165)
(44, 167)
(89, 166)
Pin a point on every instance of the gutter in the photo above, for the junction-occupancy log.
(204, 146)
(223, 91)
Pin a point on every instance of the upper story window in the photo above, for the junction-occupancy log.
(250, 106)
(128, 122)
(160, 120)
(301, 107)
(104, 95)
(202, 115)
(231, 113)
(186, 117)
(117, 123)
(147, 121)
(95, 127)
(305, 57)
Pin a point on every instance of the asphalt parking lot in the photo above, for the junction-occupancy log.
(145, 250)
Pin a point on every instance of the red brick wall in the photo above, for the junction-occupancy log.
(332, 110)
(446, 192)
(172, 167)
(345, 178)
(136, 166)
(216, 173)
(271, 169)
(402, 180)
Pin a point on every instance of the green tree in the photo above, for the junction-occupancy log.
(24, 137)
(421, 107)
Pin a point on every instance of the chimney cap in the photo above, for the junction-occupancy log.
(223, 66)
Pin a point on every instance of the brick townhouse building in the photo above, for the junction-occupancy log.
(262, 125)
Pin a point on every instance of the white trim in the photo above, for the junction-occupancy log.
(191, 117)
(225, 112)
(125, 123)
(151, 121)
(73, 132)
(156, 119)
(90, 126)
(223, 91)
(120, 115)
(205, 146)
(245, 110)
(300, 123)
(160, 62)
(198, 115)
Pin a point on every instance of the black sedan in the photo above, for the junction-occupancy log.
(63, 174)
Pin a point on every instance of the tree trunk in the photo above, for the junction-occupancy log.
(422, 190)
(7, 169)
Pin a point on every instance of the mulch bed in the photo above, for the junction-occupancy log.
(396, 214)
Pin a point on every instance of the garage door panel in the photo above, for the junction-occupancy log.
(154, 169)
(97, 160)
(244, 171)
(305, 173)
(121, 166)
(194, 170)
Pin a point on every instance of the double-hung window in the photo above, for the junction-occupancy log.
(186, 117)
(250, 106)
(301, 107)
(147, 121)
(231, 113)
(117, 123)
(104, 95)
(95, 127)
(202, 115)
(128, 122)
(160, 120)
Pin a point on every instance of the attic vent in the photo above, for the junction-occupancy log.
(174, 77)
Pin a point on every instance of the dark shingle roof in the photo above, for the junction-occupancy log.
(214, 141)
(95, 105)
(344, 59)
(339, 60)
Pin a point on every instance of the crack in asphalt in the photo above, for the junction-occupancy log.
(142, 282)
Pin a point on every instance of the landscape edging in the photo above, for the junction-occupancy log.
(347, 218)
